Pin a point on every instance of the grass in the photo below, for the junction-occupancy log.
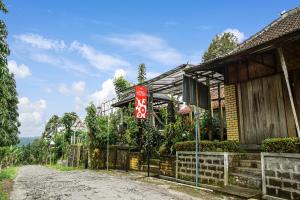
(6, 180)
(63, 168)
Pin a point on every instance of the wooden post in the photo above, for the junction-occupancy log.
(286, 76)
(197, 110)
(220, 113)
(209, 116)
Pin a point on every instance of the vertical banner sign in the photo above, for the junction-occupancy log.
(141, 102)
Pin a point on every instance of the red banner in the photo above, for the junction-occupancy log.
(141, 102)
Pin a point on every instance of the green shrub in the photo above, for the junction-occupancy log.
(281, 145)
(209, 146)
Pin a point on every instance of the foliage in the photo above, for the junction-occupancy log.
(6, 175)
(68, 120)
(132, 137)
(9, 123)
(171, 114)
(151, 138)
(212, 123)
(98, 132)
(63, 168)
(92, 125)
(281, 145)
(120, 84)
(141, 73)
(220, 45)
(178, 128)
(209, 146)
(51, 127)
(10, 156)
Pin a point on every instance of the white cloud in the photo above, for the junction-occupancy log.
(60, 62)
(119, 72)
(79, 104)
(97, 59)
(149, 46)
(20, 71)
(106, 92)
(41, 42)
(76, 88)
(31, 116)
(49, 90)
(240, 35)
(63, 89)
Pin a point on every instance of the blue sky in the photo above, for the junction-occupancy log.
(65, 54)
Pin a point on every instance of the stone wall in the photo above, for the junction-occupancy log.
(281, 175)
(231, 112)
(211, 167)
(167, 166)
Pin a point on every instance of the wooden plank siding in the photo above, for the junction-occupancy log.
(261, 109)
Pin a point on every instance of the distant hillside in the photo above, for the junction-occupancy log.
(26, 140)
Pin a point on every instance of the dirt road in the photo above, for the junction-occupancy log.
(37, 182)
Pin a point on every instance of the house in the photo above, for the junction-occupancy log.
(262, 82)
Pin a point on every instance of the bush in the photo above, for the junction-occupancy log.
(209, 146)
(281, 145)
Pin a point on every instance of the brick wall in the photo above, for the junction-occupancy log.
(281, 176)
(231, 112)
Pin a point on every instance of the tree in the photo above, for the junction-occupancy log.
(68, 121)
(220, 45)
(120, 84)
(92, 124)
(51, 127)
(9, 123)
(141, 73)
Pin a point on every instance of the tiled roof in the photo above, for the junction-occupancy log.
(287, 23)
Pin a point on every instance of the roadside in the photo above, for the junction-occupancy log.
(6, 181)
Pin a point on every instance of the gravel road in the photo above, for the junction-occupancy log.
(38, 182)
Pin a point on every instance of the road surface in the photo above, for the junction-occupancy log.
(38, 182)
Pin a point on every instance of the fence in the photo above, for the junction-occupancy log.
(280, 175)
(213, 167)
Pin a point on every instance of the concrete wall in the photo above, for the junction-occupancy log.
(281, 175)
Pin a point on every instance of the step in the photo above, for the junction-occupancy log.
(250, 163)
(249, 171)
(245, 180)
(242, 192)
(251, 156)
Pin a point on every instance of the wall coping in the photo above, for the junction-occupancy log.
(284, 155)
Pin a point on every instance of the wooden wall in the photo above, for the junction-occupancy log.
(261, 109)
(263, 102)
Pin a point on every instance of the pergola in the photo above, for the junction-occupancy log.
(170, 83)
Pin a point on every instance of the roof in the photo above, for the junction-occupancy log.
(169, 82)
(287, 23)
(157, 98)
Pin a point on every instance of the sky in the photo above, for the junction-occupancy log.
(65, 54)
